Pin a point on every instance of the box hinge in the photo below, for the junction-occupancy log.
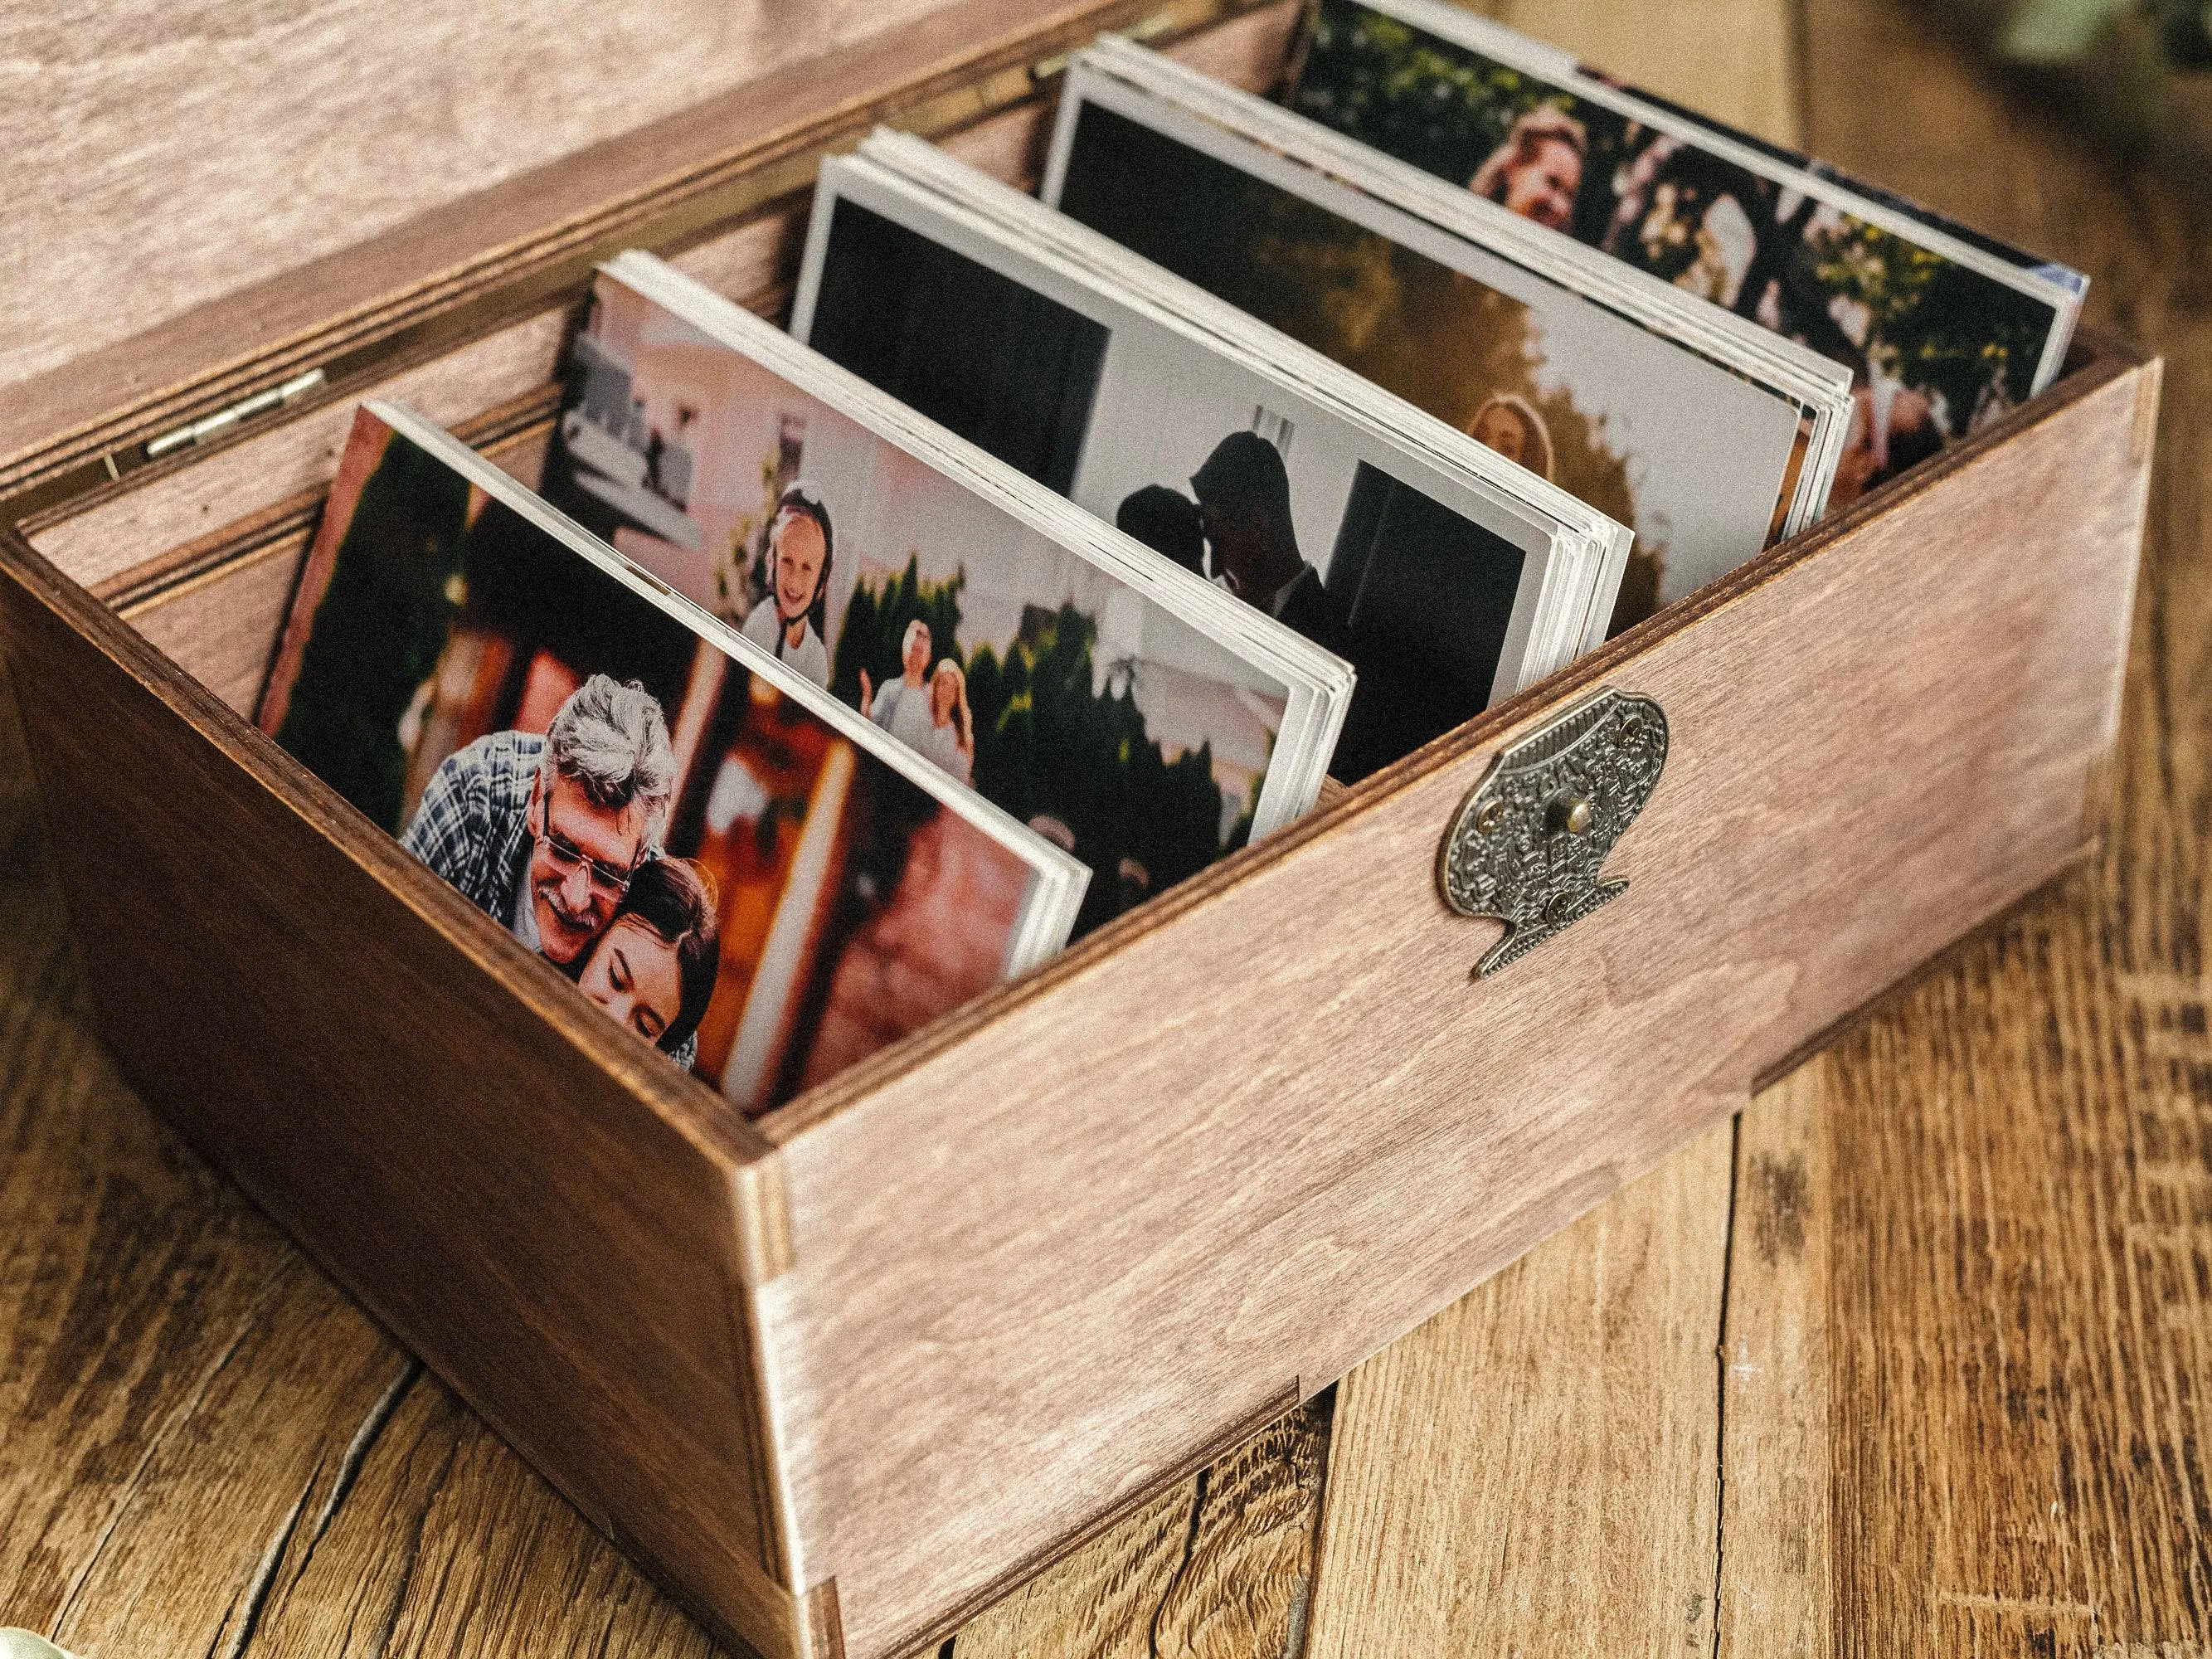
(208, 426)
(1529, 846)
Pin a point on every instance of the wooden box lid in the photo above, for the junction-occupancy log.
(207, 197)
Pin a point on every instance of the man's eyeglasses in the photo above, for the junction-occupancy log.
(605, 879)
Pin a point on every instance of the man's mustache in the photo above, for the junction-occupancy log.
(550, 892)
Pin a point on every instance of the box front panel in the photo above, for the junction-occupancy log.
(1243, 1149)
(528, 1201)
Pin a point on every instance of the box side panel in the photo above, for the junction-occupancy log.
(518, 1194)
(1259, 1141)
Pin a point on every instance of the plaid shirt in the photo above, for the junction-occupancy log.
(473, 828)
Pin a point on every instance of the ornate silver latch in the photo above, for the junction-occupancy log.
(1528, 846)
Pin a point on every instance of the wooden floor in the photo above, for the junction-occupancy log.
(1915, 1358)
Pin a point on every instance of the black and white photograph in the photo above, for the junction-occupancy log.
(1446, 590)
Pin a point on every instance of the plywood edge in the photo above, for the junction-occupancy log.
(703, 1118)
(821, 1634)
(761, 1252)
(2108, 361)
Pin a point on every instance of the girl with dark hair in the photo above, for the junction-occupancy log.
(790, 620)
(654, 967)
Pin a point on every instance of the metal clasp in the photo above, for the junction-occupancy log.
(1528, 843)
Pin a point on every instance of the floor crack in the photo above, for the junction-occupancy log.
(248, 1609)
(160, 1437)
(358, 1448)
(414, 1552)
(1721, 1369)
(1183, 1568)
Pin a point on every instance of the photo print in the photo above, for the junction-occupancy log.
(1429, 583)
(1942, 330)
(1115, 729)
(1703, 463)
(717, 867)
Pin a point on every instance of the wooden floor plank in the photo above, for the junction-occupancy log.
(1534, 1470)
(1775, 1597)
(1100, 1602)
(206, 1451)
(1221, 1567)
(2021, 1228)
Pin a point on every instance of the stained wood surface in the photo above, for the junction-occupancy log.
(1480, 1461)
(456, 1171)
(2003, 1206)
(1537, 1468)
(195, 181)
(1958, 1389)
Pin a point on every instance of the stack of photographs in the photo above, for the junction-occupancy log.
(1711, 437)
(1127, 708)
(1448, 575)
(736, 868)
(1942, 329)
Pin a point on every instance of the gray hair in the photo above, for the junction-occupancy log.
(613, 740)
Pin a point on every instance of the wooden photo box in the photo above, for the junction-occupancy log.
(841, 1376)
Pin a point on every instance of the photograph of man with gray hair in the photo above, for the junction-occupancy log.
(544, 833)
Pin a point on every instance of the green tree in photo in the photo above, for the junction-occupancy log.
(1052, 740)
(1047, 742)
(876, 621)
(1933, 326)
(1444, 111)
(1441, 108)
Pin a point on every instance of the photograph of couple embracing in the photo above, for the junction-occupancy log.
(558, 837)
(711, 863)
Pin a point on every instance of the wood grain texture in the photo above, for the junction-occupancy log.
(210, 1451)
(1776, 1595)
(2021, 1224)
(103, 543)
(1535, 1470)
(470, 262)
(1538, 1469)
(104, 538)
(139, 201)
(550, 1216)
(1220, 1567)
(1130, 1219)
(2167, 988)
